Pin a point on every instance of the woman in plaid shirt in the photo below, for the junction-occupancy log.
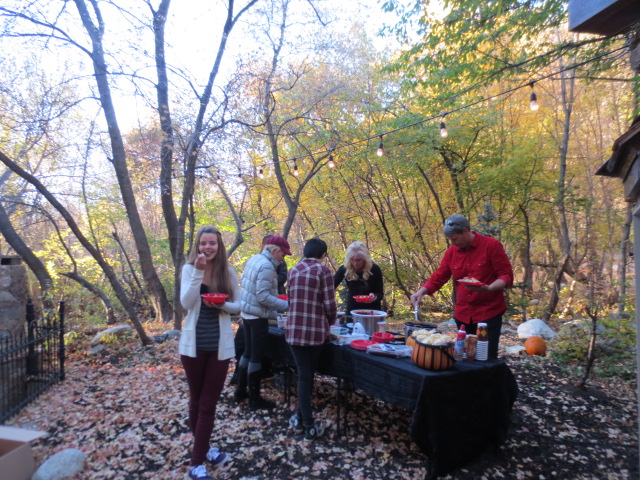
(312, 309)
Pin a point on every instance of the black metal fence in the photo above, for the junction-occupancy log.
(31, 360)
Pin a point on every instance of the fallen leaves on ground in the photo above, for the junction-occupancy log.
(126, 409)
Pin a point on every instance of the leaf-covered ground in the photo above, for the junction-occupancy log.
(126, 409)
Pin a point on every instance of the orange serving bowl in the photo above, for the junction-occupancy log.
(215, 298)
(382, 337)
(432, 357)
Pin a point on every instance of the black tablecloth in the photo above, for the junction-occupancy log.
(458, 414)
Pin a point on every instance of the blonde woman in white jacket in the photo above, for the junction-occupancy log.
(206, 342)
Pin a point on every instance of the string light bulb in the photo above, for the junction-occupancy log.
(444, 133)
(295, 170)
(533, 100)
(218, 179)
(260, 174)
(380, 151)
(331, 163)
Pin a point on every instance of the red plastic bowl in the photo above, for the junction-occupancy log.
(283, 296)
(382, 337)
(215, 298)
(361, 344)
(362, 298)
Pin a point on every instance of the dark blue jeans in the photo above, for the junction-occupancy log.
(307, 363)
(494, 327)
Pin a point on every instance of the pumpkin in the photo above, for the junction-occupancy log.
(432, 357)
(535, 346)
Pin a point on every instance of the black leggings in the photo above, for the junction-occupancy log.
(256, 335)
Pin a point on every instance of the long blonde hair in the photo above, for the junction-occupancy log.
(218, 279)
(357, 248)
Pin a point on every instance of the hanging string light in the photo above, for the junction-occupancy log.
(331, 163)
(218, 179)
(260, 174)
(443, 128)
(533, 99)
(295, 169)
(444, 133)
(380, 151)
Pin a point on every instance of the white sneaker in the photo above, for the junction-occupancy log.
(199, 473)
(216, 458)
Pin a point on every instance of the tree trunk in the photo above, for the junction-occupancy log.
(555, 293)
(95, 253)
(624, 253)
(33, 262)
(567, 92)
(108, 306)
(160, 303)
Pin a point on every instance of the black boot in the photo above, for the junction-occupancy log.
(234, 377)
(241, 386)
(256, 401)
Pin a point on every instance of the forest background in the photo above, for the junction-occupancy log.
(126, 125)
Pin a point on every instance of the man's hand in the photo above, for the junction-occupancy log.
(416, 297)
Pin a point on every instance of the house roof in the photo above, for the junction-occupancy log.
(602, 17)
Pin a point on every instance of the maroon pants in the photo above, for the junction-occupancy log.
(205, 376)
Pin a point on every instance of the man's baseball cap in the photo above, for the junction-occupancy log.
(280, 242)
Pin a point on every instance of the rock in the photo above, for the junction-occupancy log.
(171, 334)
(580, 327)
(514, 350)
(62, 465)
(167, 335)
(535, 327)
(160, 338)
(451, 322)
(118, 330)
(96, 350)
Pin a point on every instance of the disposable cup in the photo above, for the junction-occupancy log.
(382, 326)
(482, 350)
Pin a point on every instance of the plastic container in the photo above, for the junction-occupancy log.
(458, 347)
(482, 352)
(215, 298)
(471, 346)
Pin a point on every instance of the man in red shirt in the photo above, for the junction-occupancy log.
(312, 309)
(473, 255)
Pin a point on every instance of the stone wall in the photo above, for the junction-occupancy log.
(13, 293)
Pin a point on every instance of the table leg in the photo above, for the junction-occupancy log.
(339, 388)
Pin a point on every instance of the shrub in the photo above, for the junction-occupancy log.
(615, 346)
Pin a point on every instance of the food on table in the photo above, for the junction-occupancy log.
(430, 337)
(363, 312)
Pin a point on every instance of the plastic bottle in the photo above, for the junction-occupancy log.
(482, 348)
(458, 348)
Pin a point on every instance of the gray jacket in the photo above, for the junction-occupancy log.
(260, 287)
